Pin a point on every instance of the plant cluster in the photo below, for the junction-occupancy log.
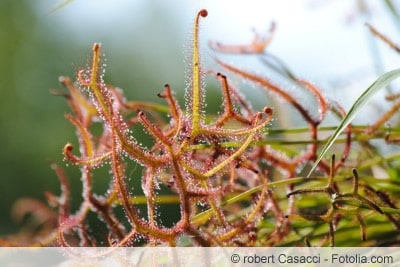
(236, 183)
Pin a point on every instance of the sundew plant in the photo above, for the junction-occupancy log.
(235, 178)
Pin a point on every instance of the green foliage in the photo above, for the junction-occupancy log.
(356, 109)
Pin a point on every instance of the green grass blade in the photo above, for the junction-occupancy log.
(392, 9)
(362, 100)
(60, 5)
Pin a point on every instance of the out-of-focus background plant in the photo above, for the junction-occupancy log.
(144, 46)
(38, 45)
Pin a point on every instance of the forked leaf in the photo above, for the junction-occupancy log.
(361, 101)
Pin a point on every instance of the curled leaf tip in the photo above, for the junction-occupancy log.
(203, 13)
(96, 47)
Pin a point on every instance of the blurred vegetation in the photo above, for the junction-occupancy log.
(30, 62)
(35, 49)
